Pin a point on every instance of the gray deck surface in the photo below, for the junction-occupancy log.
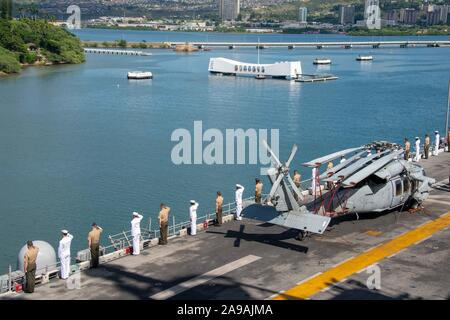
(420, 271)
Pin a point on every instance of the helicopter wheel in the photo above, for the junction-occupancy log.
(302, 235)
(414, 204)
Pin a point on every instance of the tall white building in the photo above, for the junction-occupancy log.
(229, 9)
(302, 14)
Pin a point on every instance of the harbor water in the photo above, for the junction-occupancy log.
(81, 143)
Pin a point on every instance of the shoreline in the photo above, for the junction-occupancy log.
(351, 33)
(23, 66)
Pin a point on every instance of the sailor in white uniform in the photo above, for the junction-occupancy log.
(136, 232)
(239, 191)
(314, 180)
(436, 143)
(193, 217)
(417, 147)
(64, 253)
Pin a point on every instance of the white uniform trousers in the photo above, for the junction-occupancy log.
(65, 267)
(136, 244)
(193, 225)
(417, 157)
(238, 211)
(436, 148)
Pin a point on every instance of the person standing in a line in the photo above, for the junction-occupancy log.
(163, 223)
(426, 146)
(219, 203)
(436, 143)
(407, 149)
(258, 190)
(94, 244)
(330, 166)
(342, 159)
(29, 266)
(297, 178)
(238, 199)
(314, 185)
(136, 232)
(64, 253)
(417, 148)
(193, 217)
(448, 140)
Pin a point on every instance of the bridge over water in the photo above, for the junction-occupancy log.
(320, 45)
(117, 52)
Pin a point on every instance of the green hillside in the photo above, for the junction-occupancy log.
(29, 42)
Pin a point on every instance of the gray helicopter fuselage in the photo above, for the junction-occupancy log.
(388, 188)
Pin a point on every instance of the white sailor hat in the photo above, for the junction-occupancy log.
(436, 131)
(417, 138)
(64, 231)
(239, 186)
(192, 201)
(135, 214)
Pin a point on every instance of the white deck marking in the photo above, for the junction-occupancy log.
(184, 286)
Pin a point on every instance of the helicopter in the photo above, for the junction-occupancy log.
(374, 178)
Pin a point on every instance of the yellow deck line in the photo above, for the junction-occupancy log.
(342, 271)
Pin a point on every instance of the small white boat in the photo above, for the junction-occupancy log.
(140, 75)
(322, 61)
(364, 58)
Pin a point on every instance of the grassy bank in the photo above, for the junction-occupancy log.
(8, 62)
(30, 42)
(122, 44)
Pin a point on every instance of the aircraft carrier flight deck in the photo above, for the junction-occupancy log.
(252, 260)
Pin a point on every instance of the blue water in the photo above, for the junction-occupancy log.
(81, 143)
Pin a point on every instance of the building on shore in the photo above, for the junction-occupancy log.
(347, 14)
(408, 16)
(229, 9)
(437, 14)
(393, 15)
(303, 15)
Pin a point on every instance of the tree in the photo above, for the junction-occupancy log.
(122, 43)
(6, 7)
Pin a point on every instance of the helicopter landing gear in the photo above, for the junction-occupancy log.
(302, 235)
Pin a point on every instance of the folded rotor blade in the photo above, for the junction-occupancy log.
(342, 165)
(293, 152)
(274, 157)
(275, 186)
(330, 157)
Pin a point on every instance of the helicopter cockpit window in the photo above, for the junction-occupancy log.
(406, 185)
(398, 188)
